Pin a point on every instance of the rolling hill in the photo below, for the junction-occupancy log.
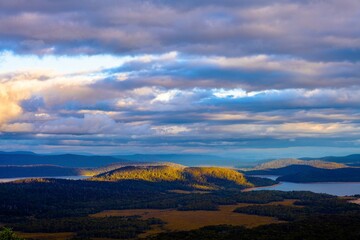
(280, 163)
(324, 175)
(195, 177)
(351, 160)
(96, 171)
(304, 174)
(292, 169)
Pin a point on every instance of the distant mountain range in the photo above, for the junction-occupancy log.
(184, 159)
(282, 171)
(63, 160)
(293, 161)
(304, 173)
(325, 169)
(350, 160)
(28, 164)
(85, 161)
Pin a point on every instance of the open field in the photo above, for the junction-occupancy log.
(188, 220)
(356, 201)
(46, 236)
(178, 220)
(188, 192)
(287, 202)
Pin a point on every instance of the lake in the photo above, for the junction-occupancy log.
(333, 188)
(3, 180)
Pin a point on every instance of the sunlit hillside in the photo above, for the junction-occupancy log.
(196, 177)
(293, 161)
(96, 171)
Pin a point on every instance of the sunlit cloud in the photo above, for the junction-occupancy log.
(184, 76)
(10, 98)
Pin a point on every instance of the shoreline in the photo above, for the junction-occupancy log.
(253, 188)
(315, 182)
(72, 177)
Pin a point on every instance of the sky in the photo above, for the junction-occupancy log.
(247, 79)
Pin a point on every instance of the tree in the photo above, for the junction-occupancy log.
(8, 234)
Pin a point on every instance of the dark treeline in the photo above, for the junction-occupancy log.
(86, 227)
(65, 198)
(303, 174)
(306, 208)
(55, 205)
(324, 175)
(333, 227)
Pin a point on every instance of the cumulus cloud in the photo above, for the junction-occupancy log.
(203, 27)
(10, 98)
(179, 75)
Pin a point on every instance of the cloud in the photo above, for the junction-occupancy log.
(168, 76)
(10, 98)
(280, 27)
(170, 130)
(90, 124)
(17, 127)
(258, 72)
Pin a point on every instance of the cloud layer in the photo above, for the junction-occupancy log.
(306, 28)
(179, 76)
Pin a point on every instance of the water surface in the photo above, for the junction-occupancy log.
(333, 188)
(2, 180)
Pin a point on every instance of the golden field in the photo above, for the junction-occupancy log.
(188, 220)
(178, 220)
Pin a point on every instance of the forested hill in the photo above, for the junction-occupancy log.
(280, 163)
(292, 169)
(96, 171)
(196, 177)
(324, 175)
(301, 173)
(352, 160)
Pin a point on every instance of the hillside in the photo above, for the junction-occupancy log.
(292, 169)
(302, 173)
(324, 175)
(96, 171)
(352, 160)
(195, 177)
(280, 163)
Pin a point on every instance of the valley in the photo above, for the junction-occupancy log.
(139, 200)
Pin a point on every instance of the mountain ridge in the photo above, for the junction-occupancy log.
(352, 159)
(280, 163)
